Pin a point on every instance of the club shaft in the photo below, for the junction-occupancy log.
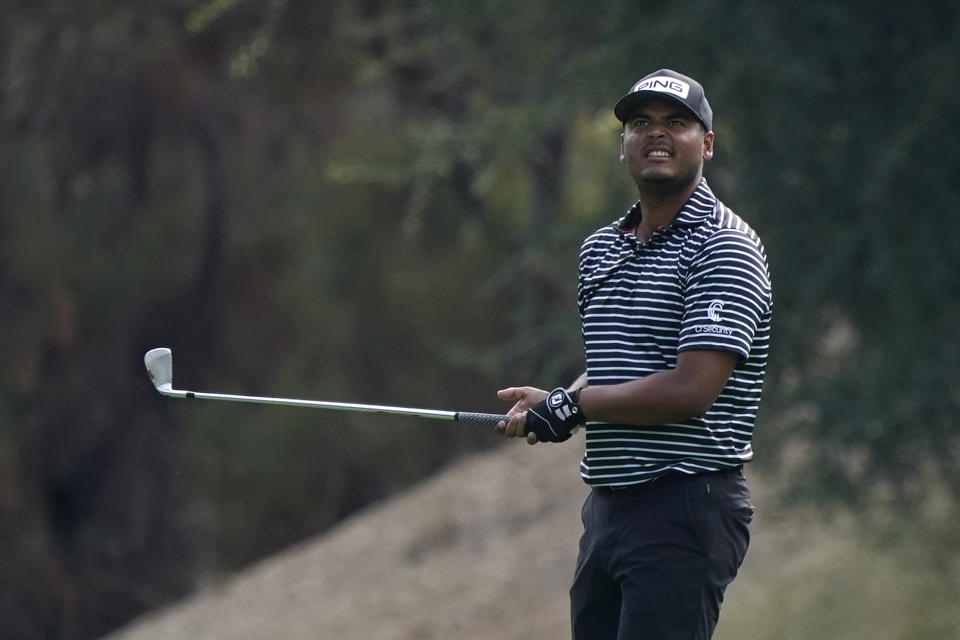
(459, 416)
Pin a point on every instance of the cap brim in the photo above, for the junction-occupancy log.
(626, 105)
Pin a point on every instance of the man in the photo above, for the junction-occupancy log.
(675, 305)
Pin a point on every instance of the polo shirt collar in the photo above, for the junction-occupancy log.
(695, 210)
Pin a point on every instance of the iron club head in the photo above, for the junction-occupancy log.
(159, 364)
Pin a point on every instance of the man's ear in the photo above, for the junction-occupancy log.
(708, 145)
(621, 146)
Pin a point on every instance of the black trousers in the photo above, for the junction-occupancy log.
(656, 559)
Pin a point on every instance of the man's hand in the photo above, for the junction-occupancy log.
(539, 415)
(555, 418)
(524, 397)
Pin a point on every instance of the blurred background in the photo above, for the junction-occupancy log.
(383, 202)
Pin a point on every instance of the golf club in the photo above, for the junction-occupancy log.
(159, 363)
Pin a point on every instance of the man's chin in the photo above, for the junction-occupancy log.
(663, 180)
(656, 178)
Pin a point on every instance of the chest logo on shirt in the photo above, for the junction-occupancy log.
(714, 310)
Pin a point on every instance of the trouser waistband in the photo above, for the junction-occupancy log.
(671, 476)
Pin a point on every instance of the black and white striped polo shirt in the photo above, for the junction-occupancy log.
(702, 282)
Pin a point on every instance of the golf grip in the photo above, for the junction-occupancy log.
(479, 418)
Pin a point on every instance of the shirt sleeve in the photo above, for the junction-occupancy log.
(727, 294)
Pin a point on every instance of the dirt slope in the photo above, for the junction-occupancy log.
(485, 549)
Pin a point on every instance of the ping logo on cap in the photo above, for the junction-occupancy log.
(663, 84)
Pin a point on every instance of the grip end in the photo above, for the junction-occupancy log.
(479, 418)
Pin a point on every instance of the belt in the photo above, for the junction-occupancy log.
(670, 476)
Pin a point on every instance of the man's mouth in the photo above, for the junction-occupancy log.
(659, 153)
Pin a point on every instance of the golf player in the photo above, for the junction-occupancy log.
(675, 304)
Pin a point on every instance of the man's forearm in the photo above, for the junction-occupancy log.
(671, 395)
(652, 400)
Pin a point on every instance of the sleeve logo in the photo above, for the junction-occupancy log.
(715, 310)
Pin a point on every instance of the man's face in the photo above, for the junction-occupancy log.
(662, 144)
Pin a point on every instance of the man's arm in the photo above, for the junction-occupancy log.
(672, 395)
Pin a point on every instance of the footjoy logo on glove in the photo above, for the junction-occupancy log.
(559, 407)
